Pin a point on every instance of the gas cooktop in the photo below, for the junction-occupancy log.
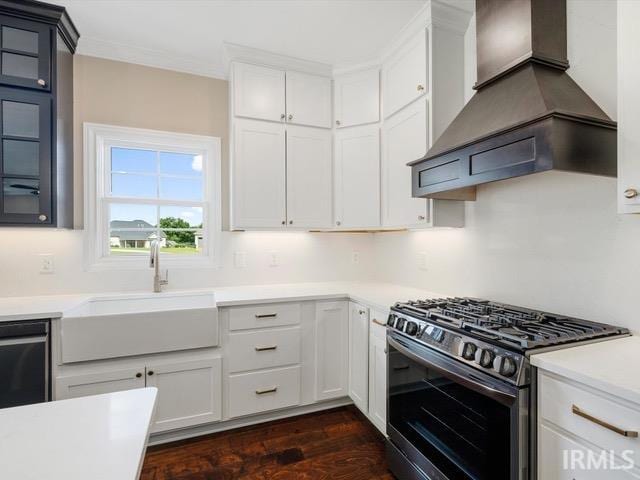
(517, 328)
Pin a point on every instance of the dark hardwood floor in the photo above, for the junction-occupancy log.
(335, 444)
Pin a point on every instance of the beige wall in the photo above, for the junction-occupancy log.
(124, 94)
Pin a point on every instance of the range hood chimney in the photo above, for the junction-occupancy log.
(527, 115)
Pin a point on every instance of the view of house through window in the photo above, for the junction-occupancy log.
(155, 195)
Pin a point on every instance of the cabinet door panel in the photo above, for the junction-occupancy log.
(357, 98)
(189, 393)
(332, 350)
(259, 92)
(404, 138)
(628, 106)
(309, 177)
(359, 356)
(357, 177)
(25, 53)
(378, 383)
(308, 100)
(25, 157)
(404, 75)
(107, 381)
(258, 174)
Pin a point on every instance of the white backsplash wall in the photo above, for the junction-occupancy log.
(552, 240)
(302, 257)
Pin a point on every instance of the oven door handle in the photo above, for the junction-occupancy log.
(504, 395)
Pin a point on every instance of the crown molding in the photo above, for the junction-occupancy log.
(349, 68)
(240, 53)
(148, 57)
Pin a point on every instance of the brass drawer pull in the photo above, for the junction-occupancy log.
(625, 433)
(267, 315)
(268, 390)
(264, 349)
(378, 322)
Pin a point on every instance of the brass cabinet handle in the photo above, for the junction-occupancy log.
(338, 122)
(290, 117)
(284, 222)
(625, 433)
(268, 390)
(378, 322)
(361, 312)
(264, 349)
(282, 116)
(41, 82)
(42, 218)
(420, 87)
(338, 222)
(630, 193)
(266, 315)
(421, 217)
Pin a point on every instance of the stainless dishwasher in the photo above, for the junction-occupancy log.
(24, 363)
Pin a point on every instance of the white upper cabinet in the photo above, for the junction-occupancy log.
(404, 75)
(258, 92)
(628, 107)
(309, 177)
(308, 100)
(258, 175)
(404, 138)
(357, 177)
(357, 98)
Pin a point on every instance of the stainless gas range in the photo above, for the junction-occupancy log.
(461, 391)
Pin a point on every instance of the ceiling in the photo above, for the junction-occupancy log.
(188, 35)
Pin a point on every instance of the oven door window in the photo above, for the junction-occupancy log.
(464, 434)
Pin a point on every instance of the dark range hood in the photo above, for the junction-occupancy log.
(527, 115)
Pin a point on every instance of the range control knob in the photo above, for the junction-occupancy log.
(467, 350)
(391, 319)
(437, 334)
(411, 328)
(484, 358)
(400, 323)
(505, 366)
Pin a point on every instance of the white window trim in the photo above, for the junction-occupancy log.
(96, 138)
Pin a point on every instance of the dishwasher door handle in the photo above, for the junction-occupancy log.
(5, 342)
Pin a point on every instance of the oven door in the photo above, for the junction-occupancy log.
(447, 420)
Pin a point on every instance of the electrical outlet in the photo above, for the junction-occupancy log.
(355, 257)
(46, 263)
(422, 260)
(240, 259)
(274, 259)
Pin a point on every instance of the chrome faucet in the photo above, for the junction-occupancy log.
(154, 262)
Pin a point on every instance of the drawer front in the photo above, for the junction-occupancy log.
(257, 392)
(378, 321)
(260, 316)
(263, 349)
(554, 463)
(557, 400)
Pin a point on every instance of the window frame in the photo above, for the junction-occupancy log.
(98, 141)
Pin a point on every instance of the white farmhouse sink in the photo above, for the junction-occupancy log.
(139, 324)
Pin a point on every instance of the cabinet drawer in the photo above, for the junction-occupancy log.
(257, 392)
(259, 316)
(557, 399)
(554, 463)
(263, 349)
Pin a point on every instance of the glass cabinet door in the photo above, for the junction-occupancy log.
(25, 157)
(25, 53)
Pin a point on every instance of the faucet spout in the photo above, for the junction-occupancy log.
(154, 262)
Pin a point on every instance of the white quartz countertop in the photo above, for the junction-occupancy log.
(102, 437)
(377, 295)
(610, 366)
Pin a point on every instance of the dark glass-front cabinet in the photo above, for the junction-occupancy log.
(37, 41)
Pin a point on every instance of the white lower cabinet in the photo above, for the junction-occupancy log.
(359, 356)
(378, 371)
(106, 380)
(189, 393)
(257, 392)
(331, 349)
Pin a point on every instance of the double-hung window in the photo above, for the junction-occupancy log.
(145, 186)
